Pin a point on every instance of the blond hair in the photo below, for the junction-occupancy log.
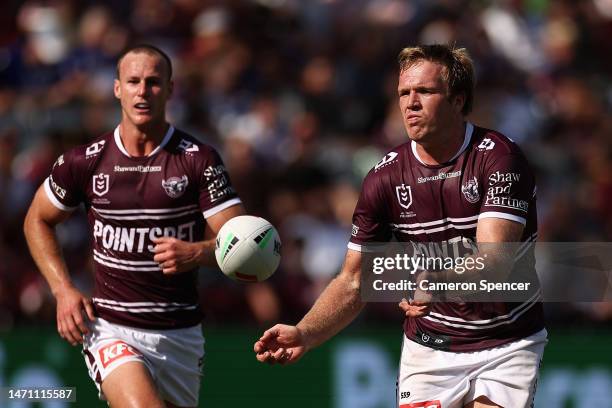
(458, 72)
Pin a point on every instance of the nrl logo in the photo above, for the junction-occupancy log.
(100, 184)
(470, 190)
(174, 186)
(404, 195)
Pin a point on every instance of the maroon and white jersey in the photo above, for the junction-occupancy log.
(404, 198)
(130, 201)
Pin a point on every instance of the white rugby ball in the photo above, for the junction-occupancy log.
(248, 249)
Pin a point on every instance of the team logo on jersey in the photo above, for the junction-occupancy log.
(174, 186)
(404, 195)
(470, 190)
(486, 144)
(100, 184)
(94, 148)
(389, 157)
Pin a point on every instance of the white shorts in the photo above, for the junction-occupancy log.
(507, 375)
(174, 357)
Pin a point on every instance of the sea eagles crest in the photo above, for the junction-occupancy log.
(174, 186)
(470, 190)
(404, 195)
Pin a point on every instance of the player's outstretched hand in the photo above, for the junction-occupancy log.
(415, 308)
(73, 311)
(176, 256)
(281, 344)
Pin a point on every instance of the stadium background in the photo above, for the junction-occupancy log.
(299, 97)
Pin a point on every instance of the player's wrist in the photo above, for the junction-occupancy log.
(305, 337)
(60, 288)
(205, 253)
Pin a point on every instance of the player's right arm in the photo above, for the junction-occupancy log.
(39, 229)
(335, 308)
(341, 301)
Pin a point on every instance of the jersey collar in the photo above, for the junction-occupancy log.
(469, 129)
(163, 143)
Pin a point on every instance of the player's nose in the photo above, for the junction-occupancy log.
(142, 89)
(413, 100)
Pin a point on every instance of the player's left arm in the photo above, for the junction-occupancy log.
(491, 234)
(176, 256)
(506, 207)
(498, 230)
(494, 237)
(508, 180)
(218, 202)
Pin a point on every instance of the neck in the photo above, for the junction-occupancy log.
(141, 141)
(441, 150)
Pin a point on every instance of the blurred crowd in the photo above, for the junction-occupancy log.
(300, 99)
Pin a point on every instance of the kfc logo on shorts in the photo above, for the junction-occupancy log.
(174, 186)
(355, 230)
(424, 404)
(100, 184)
(115, 351)
(404, 195)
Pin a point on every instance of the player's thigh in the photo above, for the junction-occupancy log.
(130, 386)
(509, 375)
(482, 402)
(431, 378)
(179, 374)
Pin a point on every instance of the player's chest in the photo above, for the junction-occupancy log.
(155, 183)
(430, 195)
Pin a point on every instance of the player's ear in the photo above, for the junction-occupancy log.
(458, 101)
(117, 88)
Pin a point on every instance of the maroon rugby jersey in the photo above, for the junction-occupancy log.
(132, 200)
(404, 198)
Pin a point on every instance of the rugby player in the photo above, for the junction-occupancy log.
(453, 354)
(153, 194)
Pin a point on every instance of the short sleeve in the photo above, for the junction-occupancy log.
(216, 191)
(370, 219)
(62, 187)
(510, 189)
